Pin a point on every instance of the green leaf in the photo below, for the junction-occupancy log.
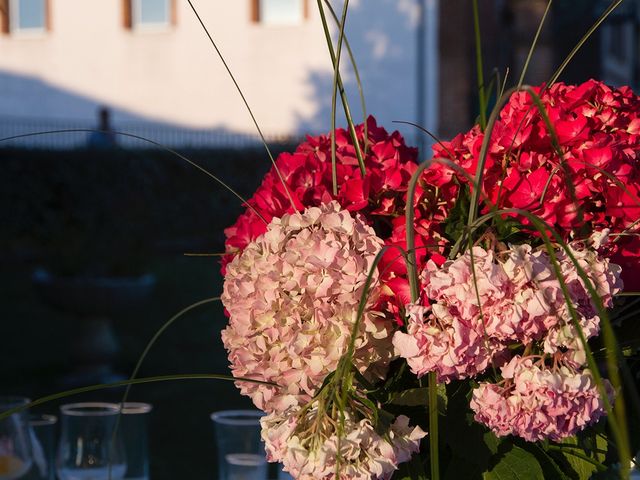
(443, 400)
(491, 441)
(515, 464)
(602, 445)
(585, 446)
(414, 397)
(583, 469)
(550, 466)
(510, 230)
(457, 221)
(465, 438)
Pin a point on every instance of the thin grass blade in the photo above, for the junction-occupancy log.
(137, 381)
(356, 72)
(479, 66)
(147, 140)
(246, 104)
(533, 44)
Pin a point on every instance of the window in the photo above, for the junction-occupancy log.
(149, 14)
(27, 16)
(279, 12)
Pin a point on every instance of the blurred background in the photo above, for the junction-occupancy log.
(95, 226)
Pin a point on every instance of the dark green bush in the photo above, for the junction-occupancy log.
(104, 212)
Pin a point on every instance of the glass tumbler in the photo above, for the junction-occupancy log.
(136, 442)
(15, 440)
(90, 448)
(241, 454)
(43, 441)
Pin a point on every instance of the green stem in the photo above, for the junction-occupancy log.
(582, 41)
(334, 94)
(143, 139)
(155, 338)
(356, 72)
(137, 381)
(479, 66)
(415, 294)
(433, 426)
(484, 150)
(246, 104)
(533, 44)
(345, 104)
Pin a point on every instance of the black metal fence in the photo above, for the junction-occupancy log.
(65, 134)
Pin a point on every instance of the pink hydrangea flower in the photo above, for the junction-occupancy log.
(439, 342)
(364, 453)
(605, 278)
(536, 402)
(292, 296)
(484, 302)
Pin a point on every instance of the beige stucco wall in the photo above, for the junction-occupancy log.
(174, 76)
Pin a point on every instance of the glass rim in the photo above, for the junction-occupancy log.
(90, 409)
(7, 402)
(42, 419)
(135, 408)
(237, 417)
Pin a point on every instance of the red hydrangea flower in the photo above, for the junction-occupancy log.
(593, 185)
(380, 197)
(389, 164)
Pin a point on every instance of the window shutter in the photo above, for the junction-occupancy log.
(126, 14)
(4, 16)
(255, 11)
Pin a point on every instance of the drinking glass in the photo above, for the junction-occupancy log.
(241, 454)
(136, 444)
(15, 440)
(89, 449)
(43, 441)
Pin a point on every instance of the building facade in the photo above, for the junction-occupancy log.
(151, 63)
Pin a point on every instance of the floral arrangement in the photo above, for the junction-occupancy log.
(394, 312)
(322, 310)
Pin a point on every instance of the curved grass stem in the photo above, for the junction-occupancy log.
(147, 140)
(356, 72)
(157, 335)
(137, 381)
(343, 98)
(479, 66)
(412, 273)
(533, 44)
(246, 104)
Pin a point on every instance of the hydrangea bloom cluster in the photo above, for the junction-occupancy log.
(307, 174)
(536, 402)
(306, 442)
(442, 343)
(292, 297)
(380, 197)
(483, 302)
(594, 184)
(606, 278)
(297, 260)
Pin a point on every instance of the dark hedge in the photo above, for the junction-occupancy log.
(105, 212)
